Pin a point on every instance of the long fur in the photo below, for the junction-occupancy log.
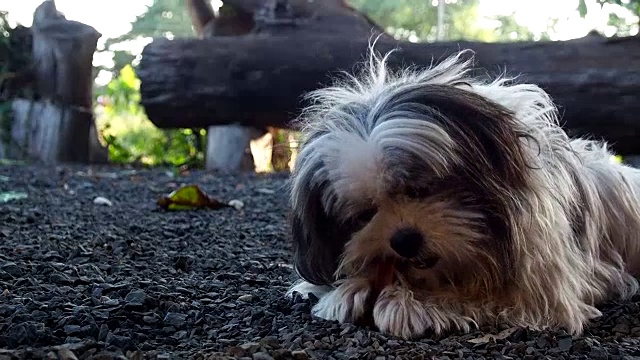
(532, 228)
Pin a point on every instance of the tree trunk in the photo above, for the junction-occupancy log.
(44, 131)
(258, 80)
(62, 119)
(228, 146)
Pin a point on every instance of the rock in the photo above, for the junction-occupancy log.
(182, 262)
(621, 328)
(102, 201)
(72, 329)
(299, 355)
(564, 344)
(175, 319)
(262, 356)
(582, 346)
(150, 319)
(250, 347)
(103, 332)
(60, 279)
(121, 342)
(135, 297)
(246, 298)
(65, 354)
(270, 342)
(237, 204)
(598, 353)
(12, 269)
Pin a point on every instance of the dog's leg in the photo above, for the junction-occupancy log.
(399, 313)
(346, 303)
(304, 288)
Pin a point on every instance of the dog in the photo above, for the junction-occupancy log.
(432, 200)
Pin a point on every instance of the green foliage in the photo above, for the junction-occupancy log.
(15, 70)
(15, 58)
(125, 128)
(632, 5)
(417, 19)
(621, 25)
(124, 93)
(510, 30)
(161, 18)
(131, 137)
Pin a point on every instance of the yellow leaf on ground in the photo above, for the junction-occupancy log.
(189, 197)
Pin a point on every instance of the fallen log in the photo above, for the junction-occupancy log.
(258, 80)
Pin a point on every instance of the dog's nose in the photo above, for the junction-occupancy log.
(407, 242)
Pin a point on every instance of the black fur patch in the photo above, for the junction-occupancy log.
(318, 240)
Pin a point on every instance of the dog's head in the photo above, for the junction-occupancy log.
(414, 176)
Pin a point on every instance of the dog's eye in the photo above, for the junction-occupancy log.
(365, 216)
(418, 193)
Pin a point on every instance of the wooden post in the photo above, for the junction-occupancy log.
(57, 126)
(228, 146)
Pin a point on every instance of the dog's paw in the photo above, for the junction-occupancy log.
(398, 313)
(345, 304)
(304, 288)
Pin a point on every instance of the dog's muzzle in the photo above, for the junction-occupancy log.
(410, 244)
(407, 242)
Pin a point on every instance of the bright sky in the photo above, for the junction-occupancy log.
(113, 19)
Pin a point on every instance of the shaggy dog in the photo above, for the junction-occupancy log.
(435, 201)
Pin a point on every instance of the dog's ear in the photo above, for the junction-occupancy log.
(318, 240)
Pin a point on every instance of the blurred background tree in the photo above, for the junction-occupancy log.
(416, 20)
(15, 78)
(133, 138)
(623, 26)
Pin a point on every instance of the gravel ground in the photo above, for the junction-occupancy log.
(92, 281)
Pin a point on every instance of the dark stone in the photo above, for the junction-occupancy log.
(564, 344)
(72, 329)
(598, 353)
(175, 319)
(135, 298)
(12, 269)
(262, 356)
(182, 262)
(121, 342)
(60, 279)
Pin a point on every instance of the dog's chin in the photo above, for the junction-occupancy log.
(419, 275)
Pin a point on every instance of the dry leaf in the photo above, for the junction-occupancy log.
(188, 198)
(488, 337)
